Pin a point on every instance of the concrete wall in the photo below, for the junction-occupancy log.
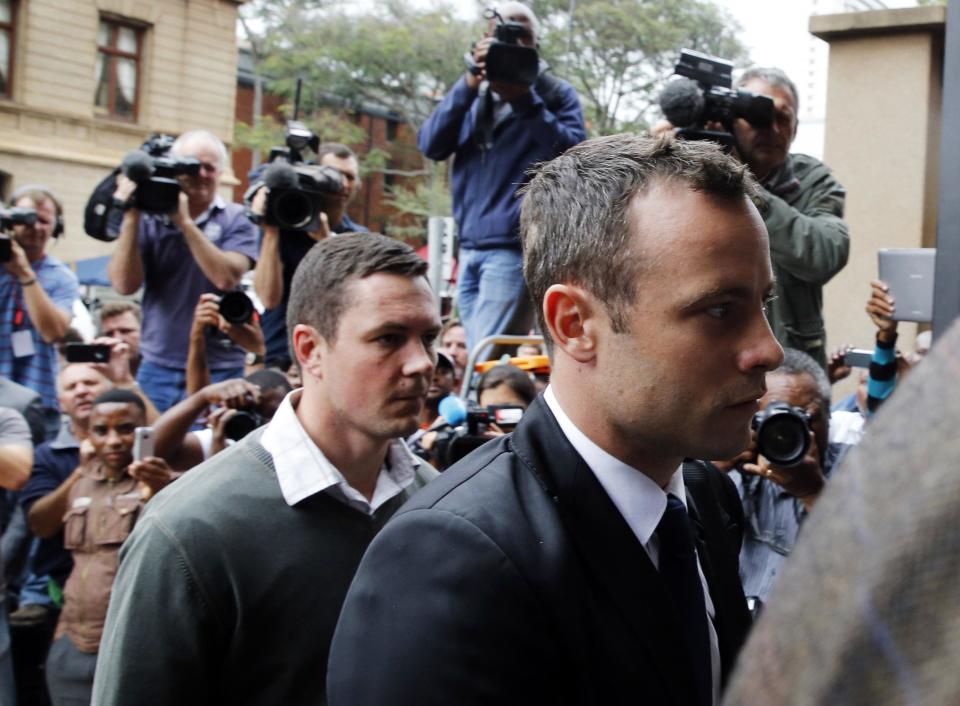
(882, 141)
(50, 131)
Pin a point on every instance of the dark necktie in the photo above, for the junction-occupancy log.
(678, 568)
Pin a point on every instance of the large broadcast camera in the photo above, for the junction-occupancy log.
(158, 191)
(783, 433)
(155, 174)
(508, 61)
(467, 426)
(703, 94)
(299, 191)
(10, 217)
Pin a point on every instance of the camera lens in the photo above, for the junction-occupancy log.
(236, 308)
(240, 424)
(783, 435)
(292, 209)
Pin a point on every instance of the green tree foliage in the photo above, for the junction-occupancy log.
(618, 52)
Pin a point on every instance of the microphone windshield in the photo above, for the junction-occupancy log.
(681, 102)
(137, 166)
(280, 175)
(453, 409)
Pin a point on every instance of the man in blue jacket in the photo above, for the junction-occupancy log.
(498, 130)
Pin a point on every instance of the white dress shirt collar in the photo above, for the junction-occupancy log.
(303, 469)
(638, 498)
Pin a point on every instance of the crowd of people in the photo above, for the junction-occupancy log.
(210, 512)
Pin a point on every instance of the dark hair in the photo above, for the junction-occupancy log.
(122, 396)
(269, 379)
(512, 377)
(318, 292)
(338, 150)
(575, 222)
(111, 309)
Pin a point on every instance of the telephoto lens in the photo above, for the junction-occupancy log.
(783, 434)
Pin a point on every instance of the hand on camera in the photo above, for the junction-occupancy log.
(217, 421)
(324, 231)
(235, 394)
(117, 370)
(837, 368)
(181, 217)
(480, 50)
(153, 473)
(804, 481)
(125, 188)
(206, 314)
(19, 264)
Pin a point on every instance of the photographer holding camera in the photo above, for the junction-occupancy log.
(205, 245)
(498, 123)
(282, 249)
(776, 498)
(221, 321)
(37, 292)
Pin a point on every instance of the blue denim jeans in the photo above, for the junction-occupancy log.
(8, 692)
(167, 386)
(492, 294)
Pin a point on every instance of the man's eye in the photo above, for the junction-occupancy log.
(390, 339)
(717, 311)
(99, 431)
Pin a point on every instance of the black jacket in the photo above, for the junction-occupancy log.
(513, 579)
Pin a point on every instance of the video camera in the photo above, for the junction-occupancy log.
(508, 61)
(299, 191)
(10, 217)
(158, 191)
(703, 93)
(467, 433)
(783, 433)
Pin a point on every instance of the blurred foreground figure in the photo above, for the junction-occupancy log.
(866, 609)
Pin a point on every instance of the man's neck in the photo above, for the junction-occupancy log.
(198, 208)
(357, 456)
(78, 428)
(335, 218)
(602, 432)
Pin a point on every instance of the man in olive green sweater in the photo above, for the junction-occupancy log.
(231, 584)
(802, 207)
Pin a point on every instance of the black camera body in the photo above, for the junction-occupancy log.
(160, 192)
(242, 423)
(783, 433)
(508, 61)
(704, 94)
(10, 217)
(455, 442)
(299, 192)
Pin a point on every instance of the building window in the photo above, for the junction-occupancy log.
(118, 68)
(8, 16)
(392, 127)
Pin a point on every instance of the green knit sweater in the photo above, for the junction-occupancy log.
(226, 594)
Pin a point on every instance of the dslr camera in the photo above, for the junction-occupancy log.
(508, 61)
(10, 217)
(703, 93)
(783, 433)
(243, 421)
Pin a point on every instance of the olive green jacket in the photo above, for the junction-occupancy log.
(809, 244)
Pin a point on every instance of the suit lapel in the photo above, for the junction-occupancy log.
(613, 558)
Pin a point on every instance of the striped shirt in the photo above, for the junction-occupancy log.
(37, 371)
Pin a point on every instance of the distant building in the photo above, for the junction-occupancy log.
(83, 81)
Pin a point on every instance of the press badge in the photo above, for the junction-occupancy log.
(22, 344)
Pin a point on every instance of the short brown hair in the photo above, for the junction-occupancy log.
(575, 223)
(111, 309)
(318, 291)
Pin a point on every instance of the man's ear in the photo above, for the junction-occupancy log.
(571, 314)
(308, 345)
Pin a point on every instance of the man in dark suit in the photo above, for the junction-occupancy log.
(572, 562)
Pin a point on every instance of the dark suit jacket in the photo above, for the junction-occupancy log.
(513, 579)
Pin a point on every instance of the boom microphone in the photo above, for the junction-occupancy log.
(280, 175)
(682, 102)
(137, 166)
